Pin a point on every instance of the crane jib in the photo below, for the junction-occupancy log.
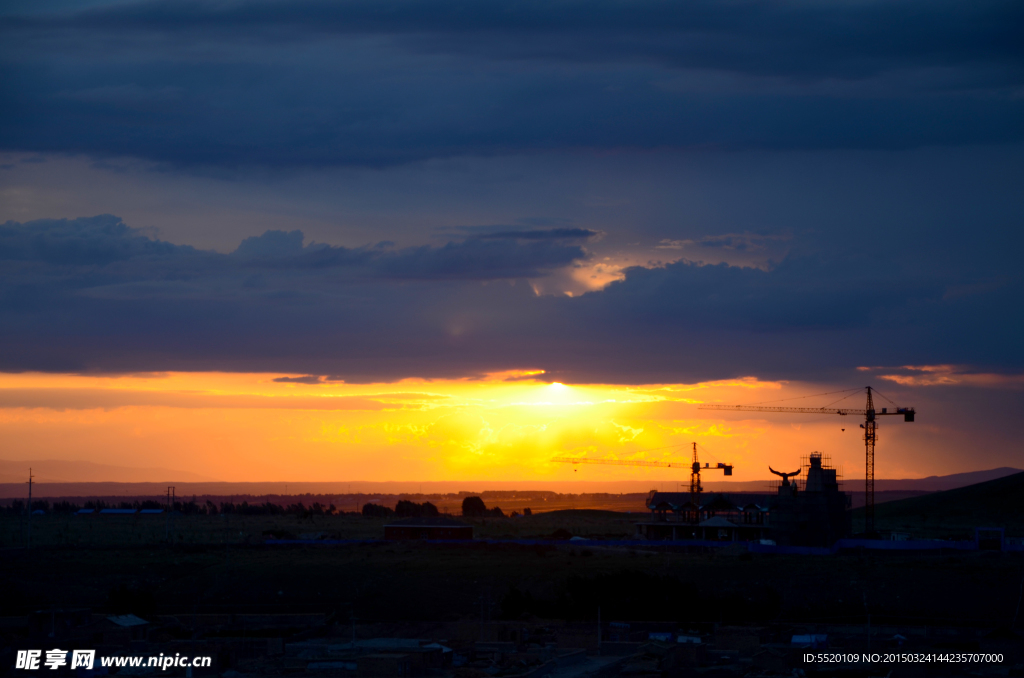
(906, 412)
(870, 437)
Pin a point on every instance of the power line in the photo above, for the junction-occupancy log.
(875, 391)
(843, 398)
(706, 452)
(798, 397)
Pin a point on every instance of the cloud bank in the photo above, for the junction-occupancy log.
(94, 295)
(287, 84)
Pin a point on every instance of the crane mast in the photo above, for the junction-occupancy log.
(870, 437)
(869, 466)
(695, 469)
(695, 488)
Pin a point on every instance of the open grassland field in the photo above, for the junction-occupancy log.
(140, 530)
(221, 564)
(415, 581)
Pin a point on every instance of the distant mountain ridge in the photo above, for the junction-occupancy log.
(61, 471)
(938, 483)
(78, 479)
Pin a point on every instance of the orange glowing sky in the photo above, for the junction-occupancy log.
(508, 426)
(436, 216)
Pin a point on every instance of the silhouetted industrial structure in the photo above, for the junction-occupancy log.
(870, 436)
(816, 514)
(811, 512)
(695, 469)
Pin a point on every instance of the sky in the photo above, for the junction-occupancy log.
(442, 239)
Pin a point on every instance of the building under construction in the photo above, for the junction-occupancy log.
(723, 517)
(809, 511)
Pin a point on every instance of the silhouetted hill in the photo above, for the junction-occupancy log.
(938, 483)
(994, 503)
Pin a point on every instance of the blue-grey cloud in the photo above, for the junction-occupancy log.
(457, 310)
(103, 247)
(309, 380)
(272, 245)
(81, 242)
(312, 84)
(543, 234)
(848, 39)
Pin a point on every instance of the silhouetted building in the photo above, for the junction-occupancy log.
(437, 527)
(817, 514)
(720, 518)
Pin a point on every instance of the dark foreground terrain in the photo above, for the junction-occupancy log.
(522, 599)
(418, 581)
(500, 608)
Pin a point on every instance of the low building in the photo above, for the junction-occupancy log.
(373, 656)
(811, 641)
(745, 640)
(436, 527)
(384, 665)
(123, 628)
(720, 518)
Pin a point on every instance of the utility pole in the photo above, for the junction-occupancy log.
(28, 540)
(167, 517)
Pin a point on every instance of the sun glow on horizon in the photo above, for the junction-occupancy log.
(500, 426)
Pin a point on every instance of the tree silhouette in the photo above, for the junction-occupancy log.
(474, 507)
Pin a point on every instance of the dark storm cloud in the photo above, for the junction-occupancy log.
(80, 242)
(847, 39)
(159, 307)
(103, 248)
(546, 234)
(288, 84)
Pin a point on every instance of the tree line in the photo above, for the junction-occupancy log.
(193, 507)
(472, 507)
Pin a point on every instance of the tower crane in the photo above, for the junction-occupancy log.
(870, 425)
(695, 469)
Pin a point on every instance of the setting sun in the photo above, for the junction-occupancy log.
(504, 426)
